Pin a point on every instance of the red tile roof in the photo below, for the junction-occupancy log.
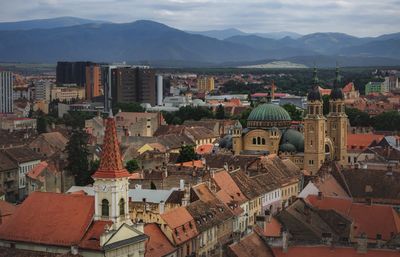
(111, 161)
(194, 164)
(369, 219)
(158, 244)
(225, 182)
(250, 246)
(181, 223)
(6, 210)
(348, 88)
(92, 238)
(326, 251)
(362, 141)
(204, 149)
(50, 218)
(36, 172)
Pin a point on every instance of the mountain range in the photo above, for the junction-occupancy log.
(144, 41)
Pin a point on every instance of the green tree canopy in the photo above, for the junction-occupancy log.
(294, 113)
(78, 164)
(358, 118)
(128, 107)
(187, 153)
(220, 112)
(387, 121)
(132, 165)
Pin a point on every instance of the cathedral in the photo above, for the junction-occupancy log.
(320, 139)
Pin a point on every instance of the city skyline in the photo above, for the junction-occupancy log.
(359, 18)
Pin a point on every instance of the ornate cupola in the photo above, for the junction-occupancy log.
(337, 93)
(111, 182)
(313, 93)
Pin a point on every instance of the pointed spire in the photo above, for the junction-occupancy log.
(336, 92)
(110, 161)
(315, 77)
(337, 76)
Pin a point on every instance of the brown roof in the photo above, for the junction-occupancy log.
(226, 184)
(175, 197)
(248, 186)
(327, 251)
(22, 154)
(13, 252)
(235, 161)
(181, 223)
(369, 219)
(209, 214)
(158, 244)
(50, 218)
(250, 246)
(6, 163)
(174, 141)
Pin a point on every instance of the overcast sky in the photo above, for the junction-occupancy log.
(356, 17)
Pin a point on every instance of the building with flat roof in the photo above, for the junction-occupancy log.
(6, 92)
(93, 81)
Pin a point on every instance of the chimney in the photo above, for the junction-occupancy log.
(362, 244)
(162, 207)
(320, 195)
(285, 241)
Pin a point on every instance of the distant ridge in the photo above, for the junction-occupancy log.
(145, 41)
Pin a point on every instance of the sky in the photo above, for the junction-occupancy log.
(355, 17)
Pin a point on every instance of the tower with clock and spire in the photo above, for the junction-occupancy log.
(111, 181)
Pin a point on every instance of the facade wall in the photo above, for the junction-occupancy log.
(6, 92)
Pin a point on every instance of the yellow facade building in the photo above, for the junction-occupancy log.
(205, 84)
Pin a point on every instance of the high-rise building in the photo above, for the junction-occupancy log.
(6, 92)
(132, 84)
(72, 72)
(205, 84)
(42, 90)
(93, 81)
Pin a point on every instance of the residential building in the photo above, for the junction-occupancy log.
(26, 160)
(93, 81)
(158, 244)
(8, 178)
(376, 87)
(12, 123)
(67, 93)
(6, 92)
(44, 177)
(42, 90)
(181, 230)
(205, 84)
(48, 144)
(350, 92)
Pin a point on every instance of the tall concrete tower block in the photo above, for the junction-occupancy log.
(159, 90)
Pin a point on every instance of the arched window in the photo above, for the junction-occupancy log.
(254, 141)
(105, 208)
(317, 110)
(258, 140)
(263, 141)
(121, 207)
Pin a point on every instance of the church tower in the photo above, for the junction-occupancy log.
(111, 183)
(337, 122)
(314, 129)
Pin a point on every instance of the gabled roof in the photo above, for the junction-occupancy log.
(6, 210)
(249, 187)
(50, 219)
(225, 182)
(250, 246)
(158, 244)
(36, 172)
(55, 139)
(327, 251)
(369, 219)
(362, 141)
(6, 163)
(22, 154)
(181, 223)
(91, 240)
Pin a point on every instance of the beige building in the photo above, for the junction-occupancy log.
(323, 138)
(67, 93)
(205, 84)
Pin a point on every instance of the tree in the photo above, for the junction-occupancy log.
(243, 117)
(132, 165)
(358, 118)
(41, 125)
(78, 164)
(387, 121)
(294, 113)
(220, 112)
(187, 153)
(128, 107)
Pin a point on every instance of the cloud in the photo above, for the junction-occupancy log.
(357, 17)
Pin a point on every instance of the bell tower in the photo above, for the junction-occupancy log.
(314, 129)
(111, 183)
(337, 121)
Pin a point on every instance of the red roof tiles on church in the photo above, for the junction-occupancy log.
(111, 162)
(50, 219)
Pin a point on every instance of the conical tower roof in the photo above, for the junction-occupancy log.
(337, 92)
(110, 161)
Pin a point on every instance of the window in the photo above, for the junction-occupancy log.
(121, 207)
(258, 140)
(254, 141)
(263, 141)
(105, 208)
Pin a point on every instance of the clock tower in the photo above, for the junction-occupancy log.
(111, 182)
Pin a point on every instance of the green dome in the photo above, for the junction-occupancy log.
(293, 137)
(269, 115)
(287, 147)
